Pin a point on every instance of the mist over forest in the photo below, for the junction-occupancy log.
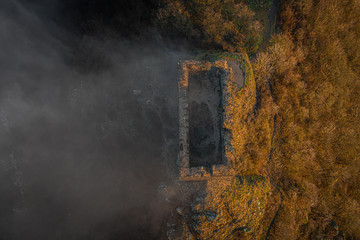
(89, 119)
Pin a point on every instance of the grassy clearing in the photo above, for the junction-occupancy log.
(234, 209)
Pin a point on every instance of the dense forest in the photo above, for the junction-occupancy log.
(306, 118)
(312, 70)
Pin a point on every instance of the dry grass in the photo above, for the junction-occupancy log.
(234, 209)
(313, 69)
(309, 76)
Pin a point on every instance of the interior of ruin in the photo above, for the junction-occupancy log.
(202, 100)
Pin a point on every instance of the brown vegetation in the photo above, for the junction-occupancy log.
(309, 78)
(227, 25)
(235, 209)
(313, 70)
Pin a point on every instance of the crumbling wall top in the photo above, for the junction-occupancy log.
(205, 143)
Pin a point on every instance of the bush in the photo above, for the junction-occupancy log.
(224, 25)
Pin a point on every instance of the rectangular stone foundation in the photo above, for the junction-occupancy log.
(203, 140)
(204, 99)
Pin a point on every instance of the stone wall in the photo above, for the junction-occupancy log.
(205, 144)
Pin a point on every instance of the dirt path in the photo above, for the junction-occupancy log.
(271, 181)
(270, 23)
(267, 167)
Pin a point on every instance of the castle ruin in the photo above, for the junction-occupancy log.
(205, 143)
